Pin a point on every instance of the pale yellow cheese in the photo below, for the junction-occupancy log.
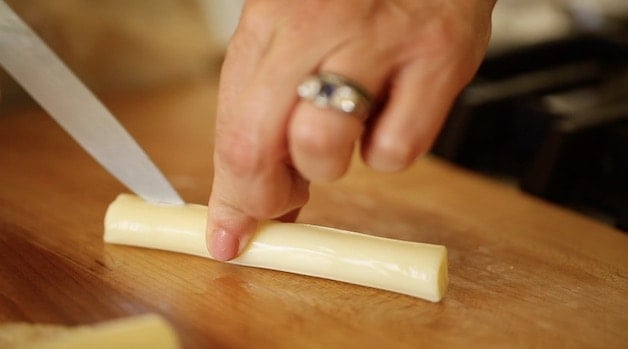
(411, 268)
(145, 331)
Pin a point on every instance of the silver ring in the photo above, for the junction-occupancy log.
(327, 90)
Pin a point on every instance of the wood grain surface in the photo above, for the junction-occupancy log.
(523, 273)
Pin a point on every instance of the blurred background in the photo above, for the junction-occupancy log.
(547, 112)
(548, 109)
(119, 45)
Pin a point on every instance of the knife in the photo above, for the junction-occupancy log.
(60, 93)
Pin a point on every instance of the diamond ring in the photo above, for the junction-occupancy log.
(328, 90)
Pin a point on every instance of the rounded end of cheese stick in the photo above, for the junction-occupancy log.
(410, 268)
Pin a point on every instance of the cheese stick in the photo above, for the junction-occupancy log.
(144, 331)
(411, 268)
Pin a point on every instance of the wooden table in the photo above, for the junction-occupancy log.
(523, 273)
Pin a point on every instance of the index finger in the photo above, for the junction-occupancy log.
(252, 177)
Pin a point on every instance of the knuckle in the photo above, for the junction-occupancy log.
(443, 35)
(308, 20)
(254, 29)
(249, 36)
(238, 154)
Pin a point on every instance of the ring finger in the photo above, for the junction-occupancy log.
(321, 140)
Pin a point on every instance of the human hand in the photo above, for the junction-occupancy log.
(413, 56)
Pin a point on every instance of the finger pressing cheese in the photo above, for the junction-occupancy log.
(411, 268)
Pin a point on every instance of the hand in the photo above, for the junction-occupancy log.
(414, 56)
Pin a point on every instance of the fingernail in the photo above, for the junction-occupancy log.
(224, 246)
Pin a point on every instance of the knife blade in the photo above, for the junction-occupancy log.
(60, 93)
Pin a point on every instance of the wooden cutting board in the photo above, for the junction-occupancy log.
(523, 273)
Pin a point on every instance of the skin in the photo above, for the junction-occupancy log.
(415, 56)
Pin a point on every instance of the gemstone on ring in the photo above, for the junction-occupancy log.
(345, 98)
(310, 88)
